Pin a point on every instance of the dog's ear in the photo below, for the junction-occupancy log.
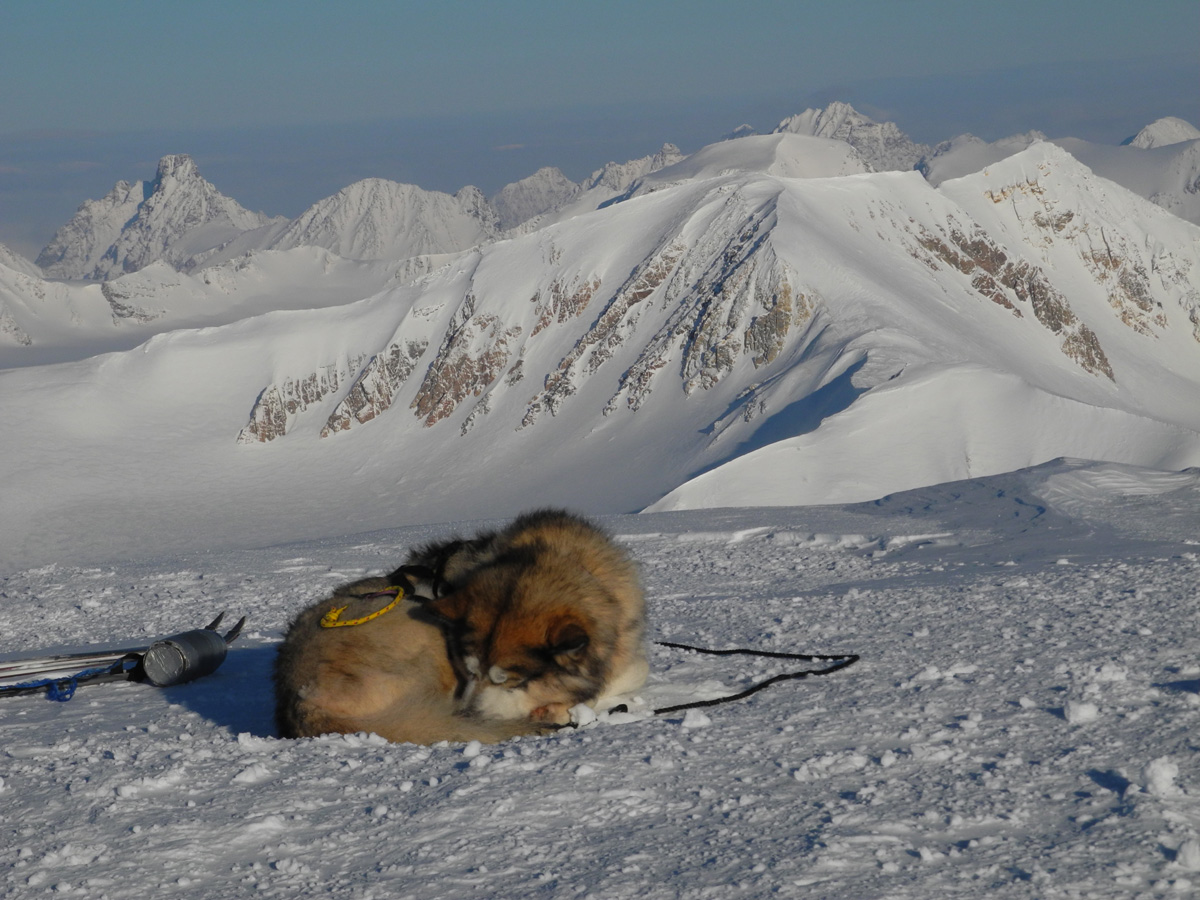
(569, 643)
(420, 583)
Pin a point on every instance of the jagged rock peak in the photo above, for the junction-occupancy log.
(882, 145)
(172, 218)
(180, 166)
(1164, 131)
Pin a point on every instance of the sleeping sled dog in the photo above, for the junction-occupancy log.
(489, 638)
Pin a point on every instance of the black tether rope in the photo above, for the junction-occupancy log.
(846, 659)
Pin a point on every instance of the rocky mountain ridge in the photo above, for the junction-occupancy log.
(720, 291)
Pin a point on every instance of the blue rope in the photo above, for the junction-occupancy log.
(58, 689)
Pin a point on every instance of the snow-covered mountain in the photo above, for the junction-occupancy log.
(883, 145)
(45, 321)
(544, 198)
(10, 259)
(544, 191)
(1159, 168)
(740, 333)
(783, 154)
(183, 220)
(173, 218)
(379, 219)
(967, 153)
(1163, 132)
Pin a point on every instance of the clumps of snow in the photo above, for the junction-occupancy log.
(695, 718)
(1081, 712)
(252, 774)
(1159, 776)
(1188, 855)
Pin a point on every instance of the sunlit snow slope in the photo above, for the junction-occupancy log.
(737, 337)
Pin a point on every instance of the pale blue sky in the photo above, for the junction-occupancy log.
(283, 103)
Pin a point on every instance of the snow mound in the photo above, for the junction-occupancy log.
(1166, 173)
(1000, 424)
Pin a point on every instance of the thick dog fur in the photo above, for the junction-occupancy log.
(508, 631)
(541, 616)
(390, 676)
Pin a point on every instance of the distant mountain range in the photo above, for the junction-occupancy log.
(183, 220)
(772, 320)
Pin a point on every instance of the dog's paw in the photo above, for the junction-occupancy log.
(552, 714)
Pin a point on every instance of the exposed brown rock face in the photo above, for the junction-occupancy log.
(1116, 266)
(376, 386)
(722, 299)
(475, 352)
(1124, 276)
(562, 302)
(767, 333)
(972, 255)
(278, 404)
(1003, 281)
(598, 344)
(731, 301)
(1083, 346)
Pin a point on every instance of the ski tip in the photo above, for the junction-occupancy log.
(232, 634)
(213, 625)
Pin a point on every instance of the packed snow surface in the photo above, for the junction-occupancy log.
(1022, 722)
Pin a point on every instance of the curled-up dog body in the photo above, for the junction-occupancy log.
(482, 639)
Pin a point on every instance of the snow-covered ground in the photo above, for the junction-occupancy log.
(1023, 721)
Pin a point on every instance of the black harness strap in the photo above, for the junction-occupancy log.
(844, 660)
